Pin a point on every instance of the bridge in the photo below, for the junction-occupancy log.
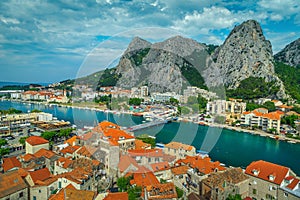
(146, 125)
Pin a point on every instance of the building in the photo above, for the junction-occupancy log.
(11, 164)
(163, 97)
(116, 196)
(233, 106)
(179, 150)
(70, 192)
(266, 178)
(222, 184)
(35, 143)
(261, 118)
(12, 186)
(290, 189)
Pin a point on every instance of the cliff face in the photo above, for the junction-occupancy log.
(245, 53)
(165, 66)
(290, 55)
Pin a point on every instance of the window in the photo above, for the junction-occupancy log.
(254, 191)
(40, 191)
(21, 194)
(34, 197)
(285, 194)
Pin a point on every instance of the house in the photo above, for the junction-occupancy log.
(179, 150)
(11, 164)
(266, 179)
(290, 189)
(127, 164)
(70, 192)
(12, 186)
(220, 185)
(285, 108)
(261, 118)
(35, 143)
(162, 170)
(116, 196)
(233, 106)
(161, 191)
(139, 144)
(277, 103)
(147, 156)
(48, 157)
(69, 151)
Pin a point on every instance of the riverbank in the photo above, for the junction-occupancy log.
(93, 107)
(247, 131)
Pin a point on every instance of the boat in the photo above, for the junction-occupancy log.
(291, 141)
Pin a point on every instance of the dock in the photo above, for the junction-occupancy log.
(146, 125)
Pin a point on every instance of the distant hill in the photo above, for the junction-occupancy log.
(290, 55)
(3, 83)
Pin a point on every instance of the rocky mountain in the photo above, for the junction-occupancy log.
(290, 55)
(245, 53)
(177, 62)
(165, 66)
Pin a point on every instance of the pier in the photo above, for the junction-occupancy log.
(146, 125)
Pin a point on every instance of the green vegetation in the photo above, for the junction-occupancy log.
(290, 120)
(185, 110)
(22, 140)
(134, 192)
(253, 88)
(234, 197)
(179, 192)
(137, 58)
(174, 101)
(3, 151)
(36, 111)
(290, 77)
(135, 101)
(10, 111)
(220, 119)
(296, 109)
(145, 138)
(202, 102)
(108, 78)
(268, 105)
(211, 48)
(15, 87)
(50, 135)
(3, 142)
(192, 75)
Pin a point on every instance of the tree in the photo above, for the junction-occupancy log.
(123, 183)
(290, 120)
(36, 111)
(134, 192)
(202, 102)
(252, 106)
(3, 142)
(270, 106)
(49, 135)
(22, 140)
(179, 192)
(174, 101)
(234, 197)
(135, 101)
(185, 110)
(64, 132)
(4, 151)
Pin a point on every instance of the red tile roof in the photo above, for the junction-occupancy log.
(293, 184)
(204, 165)
(27, 157)
(40, 174)
(139, 144)
(64, 162)
(69, 149)
(143, 177)
(267, 169)
(180, 170)
(117, 196)
(36, 140)
(71, 141)
(125, 162)
(86, 151)
(161, 166)
(161, 191)
(11, 182)
(10, 163)
(146, 152)
(71, 193)
(178, 145)
(44, 153)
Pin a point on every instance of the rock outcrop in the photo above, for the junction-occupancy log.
(290, 55)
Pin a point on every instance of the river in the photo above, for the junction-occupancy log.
(230, 147)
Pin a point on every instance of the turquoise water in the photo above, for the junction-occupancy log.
(227, 146)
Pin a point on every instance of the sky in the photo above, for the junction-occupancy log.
(54, 40)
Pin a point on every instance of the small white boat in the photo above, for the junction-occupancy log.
(292, 142)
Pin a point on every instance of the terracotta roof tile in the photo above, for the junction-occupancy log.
(204, 165)
(70, 192)
(27, 157)
(139, 144)
(40, 174)
(117, 196)
(64, 162)
(11, 182)
(293, 184)
(10, 163)
(146, 152)
(69, 149)
(161, 166)
(266, 170)
(44, 153)
(125, 162)
(144, 177)
(178, 145)
(87, 151)
(71, 141)
(161, 191)
(180, 170)
(36, 140)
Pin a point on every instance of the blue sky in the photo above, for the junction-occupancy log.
(53, 40)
